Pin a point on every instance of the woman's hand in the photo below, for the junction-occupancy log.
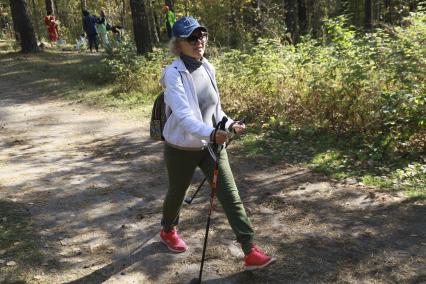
(221, 137)
(238, 127)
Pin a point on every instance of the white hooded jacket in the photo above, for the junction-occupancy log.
(185, 127)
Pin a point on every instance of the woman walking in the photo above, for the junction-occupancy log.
(193, 110)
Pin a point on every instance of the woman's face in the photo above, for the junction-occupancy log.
(194, 45)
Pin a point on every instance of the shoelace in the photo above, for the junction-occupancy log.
(255, 248)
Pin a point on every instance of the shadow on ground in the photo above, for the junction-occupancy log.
(96, 201)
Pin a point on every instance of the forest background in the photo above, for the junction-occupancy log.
(336, 85)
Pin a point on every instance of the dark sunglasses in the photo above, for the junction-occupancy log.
(193, 38)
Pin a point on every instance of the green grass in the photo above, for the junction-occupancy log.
(80, 77)
(339, 158)
(19, 243)
(6, 46)
(85, 78)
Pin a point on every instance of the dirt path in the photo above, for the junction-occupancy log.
(93, 184)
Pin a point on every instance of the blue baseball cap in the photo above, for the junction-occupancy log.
(185, 26)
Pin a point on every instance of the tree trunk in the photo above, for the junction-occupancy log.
(83, 4)
(413, 6)
(357, 12)
(49, 7)
(317, 17)
(255, 17)
(338, 9)
(233, 39)
(377, 11)
(56, 11)
(388, 11)
(23, 25)
(141, 27)
(36, 20)
(303, 17)
(156, 22)
(123, 14)
(15, 26)
(291, 19)
(152, 24)
(368, 15)
(64, 16)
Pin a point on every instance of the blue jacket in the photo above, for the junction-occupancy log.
(89, 25)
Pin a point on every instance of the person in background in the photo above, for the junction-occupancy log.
(193, 110)
(52, 27)
(117, 33)
(81, 42)
(102, 30)
(89, 26)
(170, 19)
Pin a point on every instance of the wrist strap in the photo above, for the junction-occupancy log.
(213, 136)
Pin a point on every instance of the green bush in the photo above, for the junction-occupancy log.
(137, 73)
(371, 86)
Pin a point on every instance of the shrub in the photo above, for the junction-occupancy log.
(137, 73)
(369, 85)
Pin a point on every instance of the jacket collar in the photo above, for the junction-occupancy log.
(180, 66)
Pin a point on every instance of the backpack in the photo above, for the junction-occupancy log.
(158, 118)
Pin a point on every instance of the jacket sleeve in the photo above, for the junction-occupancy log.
(176, 98)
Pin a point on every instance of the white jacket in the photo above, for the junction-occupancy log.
(185, 127)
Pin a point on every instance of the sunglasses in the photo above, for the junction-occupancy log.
(193, 38)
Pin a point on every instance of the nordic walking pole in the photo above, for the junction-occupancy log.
(221, 126)
(188, 199)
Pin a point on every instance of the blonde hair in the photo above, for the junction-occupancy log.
(174, 46)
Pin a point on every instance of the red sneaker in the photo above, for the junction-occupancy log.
(257, 259)
(173, 241)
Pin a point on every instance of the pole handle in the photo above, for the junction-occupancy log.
(222, 123)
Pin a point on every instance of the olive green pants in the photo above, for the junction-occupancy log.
(181, 165)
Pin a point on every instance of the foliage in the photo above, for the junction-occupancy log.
(238, 23)
(337, 157)
(372, 85)
(369, 86)
(361, 98)
(412, 178)
(133, 72)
